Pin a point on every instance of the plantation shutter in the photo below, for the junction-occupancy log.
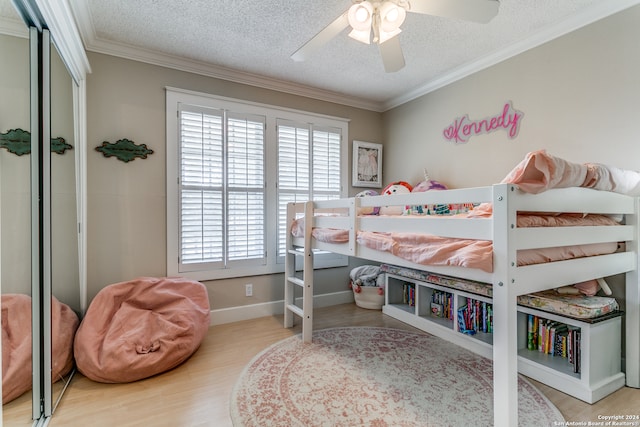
(309, 167)
(201, 188)
(222, 188)
(326, 164)
(246, 204)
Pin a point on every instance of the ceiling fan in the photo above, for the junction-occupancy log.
(384, 17)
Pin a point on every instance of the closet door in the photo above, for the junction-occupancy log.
(15, 224)
(41, 197)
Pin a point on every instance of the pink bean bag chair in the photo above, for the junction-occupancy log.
(140, 328)
(17, 347)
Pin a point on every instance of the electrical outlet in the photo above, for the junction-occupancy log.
(248, 290)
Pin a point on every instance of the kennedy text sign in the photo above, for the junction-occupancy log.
(464, 128)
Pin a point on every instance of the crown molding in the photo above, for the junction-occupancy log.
(94, 44)
(228, 74)
(592, 14)
(13, 28)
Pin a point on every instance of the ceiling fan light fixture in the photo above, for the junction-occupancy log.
(391, 17)
(379, 21)
(360, 16)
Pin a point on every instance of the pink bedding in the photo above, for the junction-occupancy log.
(330, 235)
(427, 249)
(540, 171)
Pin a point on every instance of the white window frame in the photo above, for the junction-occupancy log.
(274, 264)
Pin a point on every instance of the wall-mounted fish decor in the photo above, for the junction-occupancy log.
(18, 141)
(124, 150)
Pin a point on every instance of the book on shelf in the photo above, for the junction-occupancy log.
(409, 294)
(561, 343)
(555, 339)
(531, 334)
(476, 316)
(576, 346)
(555, 344)
(442, 304)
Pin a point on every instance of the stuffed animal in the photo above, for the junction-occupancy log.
(428, 185)
(368, 210)
(398, 187)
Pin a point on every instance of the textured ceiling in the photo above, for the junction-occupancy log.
(251, 41)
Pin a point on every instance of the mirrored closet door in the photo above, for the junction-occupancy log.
(41, 206)
(15, 230)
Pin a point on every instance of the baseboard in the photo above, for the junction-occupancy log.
(253, 311)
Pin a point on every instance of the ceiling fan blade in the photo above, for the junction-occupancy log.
(319, 40)
(392, 56)
(471, 10)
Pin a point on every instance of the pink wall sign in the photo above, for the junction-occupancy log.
(464, 128)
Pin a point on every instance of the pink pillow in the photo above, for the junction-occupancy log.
(140, 328)
(589, 287)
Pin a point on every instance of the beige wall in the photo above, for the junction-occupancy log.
(126, 202)
(580, 95)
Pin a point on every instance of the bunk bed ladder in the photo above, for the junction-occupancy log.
(292, 281)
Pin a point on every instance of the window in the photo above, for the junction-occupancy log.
(232, 167)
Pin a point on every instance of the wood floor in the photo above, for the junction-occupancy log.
(197, 392)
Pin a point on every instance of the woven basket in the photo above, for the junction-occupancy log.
(368, 297)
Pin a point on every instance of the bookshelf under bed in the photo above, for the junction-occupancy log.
(507, 240)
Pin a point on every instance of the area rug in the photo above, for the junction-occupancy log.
(366, 376)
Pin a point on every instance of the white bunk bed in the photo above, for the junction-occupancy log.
(509, 280)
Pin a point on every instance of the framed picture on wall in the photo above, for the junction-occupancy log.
(367, 164)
